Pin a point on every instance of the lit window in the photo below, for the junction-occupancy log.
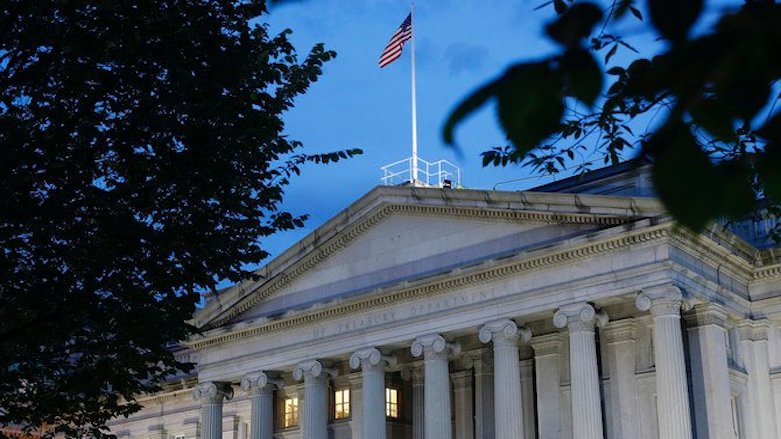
(391, 402)
(342, 404)
(291, 412)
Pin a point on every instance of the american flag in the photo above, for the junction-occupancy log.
(392, 51)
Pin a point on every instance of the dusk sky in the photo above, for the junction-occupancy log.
(355, 104)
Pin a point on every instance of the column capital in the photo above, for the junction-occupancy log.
(579, 317)
(369, 358)
(257, 382)
(311, 370)
(434, 344)
(461, 379)
(478, 359)
(413, 371)
(753, 330)
(620, 330)
(504, 332)
(213, 392)
(548, 344)
(661, 300)
(707, 314)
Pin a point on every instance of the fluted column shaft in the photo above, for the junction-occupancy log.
(672, 391)
(584, 376)
(436, 351)
(372, 364)
(261, 394)
(314, 422)
(508, 407)
(212, 396)
(547, 367)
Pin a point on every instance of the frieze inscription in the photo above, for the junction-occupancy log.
(403, 313)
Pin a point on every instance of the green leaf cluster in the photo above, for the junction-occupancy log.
(715, 149)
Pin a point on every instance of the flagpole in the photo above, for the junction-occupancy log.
(414, 102)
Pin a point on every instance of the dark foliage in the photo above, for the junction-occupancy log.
(716, 148)
(141, 160)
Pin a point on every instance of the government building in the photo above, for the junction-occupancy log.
(574, 310)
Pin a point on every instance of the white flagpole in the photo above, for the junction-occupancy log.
(414, 102)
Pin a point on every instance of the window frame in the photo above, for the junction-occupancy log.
(389, 404)
(345, 404)
(295, 413)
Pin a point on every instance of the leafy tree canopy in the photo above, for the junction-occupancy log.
(717, 146)
(142, 160)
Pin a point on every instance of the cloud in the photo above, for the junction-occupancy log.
(464, 57)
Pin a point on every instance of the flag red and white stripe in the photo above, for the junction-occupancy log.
(392, 51)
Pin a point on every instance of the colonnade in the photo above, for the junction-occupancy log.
(504, 336)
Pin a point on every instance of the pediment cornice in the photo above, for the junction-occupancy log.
(539, 208)
(446, 282)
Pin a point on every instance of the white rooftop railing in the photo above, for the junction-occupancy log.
(441, 173)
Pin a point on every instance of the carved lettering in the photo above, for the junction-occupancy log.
(417, 310)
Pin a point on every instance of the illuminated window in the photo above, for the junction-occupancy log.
(291, 412)
(342, 403)
(391, 402)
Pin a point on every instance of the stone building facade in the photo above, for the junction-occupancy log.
(576, 310)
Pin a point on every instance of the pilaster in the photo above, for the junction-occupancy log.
(620, 341)
(462, 393)
(547, 366)
(415, 372)
(706, 325)
(761, 420)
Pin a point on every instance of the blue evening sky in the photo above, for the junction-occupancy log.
(460, 44)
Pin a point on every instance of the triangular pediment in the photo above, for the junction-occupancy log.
(397, 235)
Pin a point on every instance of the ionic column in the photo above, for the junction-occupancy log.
(372, 364)
(436, 352)
(211, 396)
(462, 393)
(706, 325)
(620, 341)
(547, 367)
(314, 423)
(261, 393)
(508, 408)
(581, 319)
(754, 348)
(672, 391)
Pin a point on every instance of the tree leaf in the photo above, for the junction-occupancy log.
(636, 12)
(674, 18)
(530, 104)
(574, 24)
(560, 6)
(610, 53)
(468, 106)
(582, 75)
